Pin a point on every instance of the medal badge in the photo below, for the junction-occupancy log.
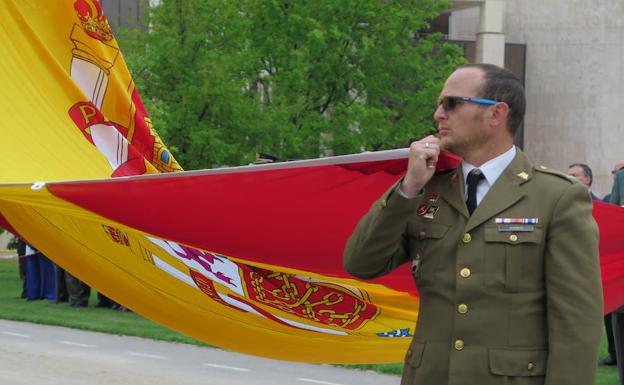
(422, 210)
(432, 197)
(516, 224)
(431, 211)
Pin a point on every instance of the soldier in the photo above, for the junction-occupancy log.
(584, 174)
(507, 267)
(617, 198)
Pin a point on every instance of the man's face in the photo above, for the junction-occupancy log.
(465, 127)
(577, 172)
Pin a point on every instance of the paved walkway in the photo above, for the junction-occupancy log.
(39, 354)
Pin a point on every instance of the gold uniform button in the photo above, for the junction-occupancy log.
(513, 237)
(383, 203)
(467, 238)
(530, 366)
(462, 308)
(459, 344)
(465, 272)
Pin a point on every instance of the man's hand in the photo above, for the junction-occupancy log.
(423, 157)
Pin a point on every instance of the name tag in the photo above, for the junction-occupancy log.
(516, 228)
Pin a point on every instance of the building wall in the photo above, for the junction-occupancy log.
(574, 79)
(464, 24)
(125, 13)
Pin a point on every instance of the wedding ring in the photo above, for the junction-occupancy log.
(426, 144)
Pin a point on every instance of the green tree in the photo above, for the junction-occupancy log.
(224, 79)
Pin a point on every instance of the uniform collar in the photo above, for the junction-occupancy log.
(493, 168)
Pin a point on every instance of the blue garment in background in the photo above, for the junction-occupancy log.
(40, 277)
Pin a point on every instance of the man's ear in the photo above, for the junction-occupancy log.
(500, 112)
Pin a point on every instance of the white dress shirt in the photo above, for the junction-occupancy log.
(491, 170)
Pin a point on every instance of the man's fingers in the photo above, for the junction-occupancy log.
(432, 160)
(429, 145)
(426, 150)
(429, 155)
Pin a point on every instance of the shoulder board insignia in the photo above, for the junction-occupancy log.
(550, 171)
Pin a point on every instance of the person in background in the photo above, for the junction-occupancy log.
(21, 252)
(104, 301)
(584, 174)
(40, 276)
(62, 295)
(617, 192)
(78, 291)
(71, 289)
(617, 198)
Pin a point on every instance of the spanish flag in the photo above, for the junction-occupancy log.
(244, 258)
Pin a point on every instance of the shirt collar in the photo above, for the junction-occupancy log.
(493, 168)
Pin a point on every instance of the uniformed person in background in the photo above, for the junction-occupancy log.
(617, 198)
(584, 174)
(504, 253)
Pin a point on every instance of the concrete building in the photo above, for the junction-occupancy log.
(573, 73)
(126, 13)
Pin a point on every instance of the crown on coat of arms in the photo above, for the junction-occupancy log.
(93, 20)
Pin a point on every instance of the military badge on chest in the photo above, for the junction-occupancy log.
(432, 197)
(516, 224)
(428, 210)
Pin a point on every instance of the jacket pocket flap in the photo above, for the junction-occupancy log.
(518, 362)
(414, 354)
(492, 234)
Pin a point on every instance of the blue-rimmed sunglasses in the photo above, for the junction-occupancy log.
(450, 102)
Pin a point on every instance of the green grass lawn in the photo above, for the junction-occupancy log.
(109, 321)
(87, 318)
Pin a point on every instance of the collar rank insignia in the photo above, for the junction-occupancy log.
(523, 175)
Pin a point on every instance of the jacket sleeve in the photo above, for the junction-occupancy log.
(379, 243)
(573, 290)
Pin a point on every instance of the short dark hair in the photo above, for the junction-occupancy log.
(586, 170)
(502, 85)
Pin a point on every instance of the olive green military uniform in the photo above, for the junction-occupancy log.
(617, 198)
(499, 303)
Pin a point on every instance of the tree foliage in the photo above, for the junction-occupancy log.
(225, 79)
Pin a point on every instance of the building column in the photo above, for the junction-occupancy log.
(490, 47)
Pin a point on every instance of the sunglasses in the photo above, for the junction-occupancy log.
(450, 102)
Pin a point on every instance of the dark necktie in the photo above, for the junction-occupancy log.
(474, 177)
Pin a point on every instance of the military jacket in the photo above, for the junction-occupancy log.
(617, 192)
(500, 303)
